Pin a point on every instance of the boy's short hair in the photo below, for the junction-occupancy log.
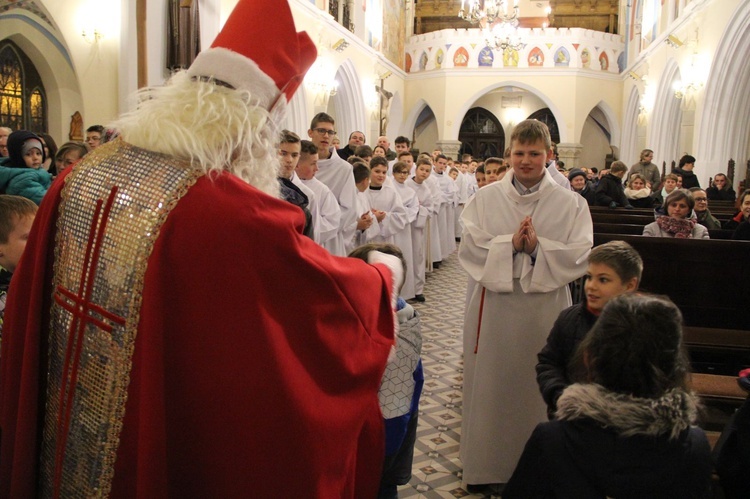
(364, 151)
(355, 160)
(307, 147)
(480, 169)
(12, 209)
(378, 161)
(361, 252)
(321, 118)
(493, 160)
(424, 161)
(71, 146)
(453, 169)
(618, 167)
(96, 128)
(670, 176)
(404, 153)
(441, 156)
(361, 171)
(620, 257)
(288, 137)
(400, 167)
(402, 140)
(531, 131)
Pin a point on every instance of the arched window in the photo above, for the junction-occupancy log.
(23, 102)
(481, 134)
(546, 117)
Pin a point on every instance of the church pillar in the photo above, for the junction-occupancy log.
(570, 154)
(449, 147)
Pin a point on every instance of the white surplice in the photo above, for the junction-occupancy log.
(420, 233)
(337, 174)
(403, 239)
(328, 217)
(513, 305)
(387, 199)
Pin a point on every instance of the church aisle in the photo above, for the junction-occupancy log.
(436, 468)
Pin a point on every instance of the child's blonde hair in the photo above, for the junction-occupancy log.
(12, 209)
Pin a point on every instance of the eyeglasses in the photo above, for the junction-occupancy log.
(324, 131)
(701, 200)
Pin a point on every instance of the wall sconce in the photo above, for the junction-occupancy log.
(319, 80)
(634, 76)
(91, 36)
(682, 90)
(340, 45)
(674, 42)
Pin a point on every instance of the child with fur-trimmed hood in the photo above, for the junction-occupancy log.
(626, 431)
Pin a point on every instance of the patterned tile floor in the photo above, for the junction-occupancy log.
(437, 468)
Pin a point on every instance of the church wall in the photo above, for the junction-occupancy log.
(595, 146)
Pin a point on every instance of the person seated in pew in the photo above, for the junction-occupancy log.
(679, 205)
(721, 190)
(702, 214)
(670, 184)
(638, 193)
(743, 215)
(610, 192)
(625, 430)
(579, 183)
(614, 268)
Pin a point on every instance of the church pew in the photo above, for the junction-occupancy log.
(637, 230)
(707, 279)
(621, 217)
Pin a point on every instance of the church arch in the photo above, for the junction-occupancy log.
(666, 118)
(724, 130)
(630, 151)
(349, 101)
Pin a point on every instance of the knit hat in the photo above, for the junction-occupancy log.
(575, 172)
(251, 55)
(19, 143)
(31, 144)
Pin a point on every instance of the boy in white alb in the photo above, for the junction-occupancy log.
(367, 227)
(420, 242)
(433, 233)
(326, 210)
(447, 208)
(404, 238)
(525, 239)
(385, 202)
(336, 174)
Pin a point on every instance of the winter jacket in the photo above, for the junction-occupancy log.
(588, 194)
(714, 194)
(734, 222)
(27, 182)
(689, 180)
(606, 444)
(742, 232)
(653, 230)
(552, 373)
(610, 190)
(707, 220)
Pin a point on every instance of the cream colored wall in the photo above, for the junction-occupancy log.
(595, 146)
(700, 26)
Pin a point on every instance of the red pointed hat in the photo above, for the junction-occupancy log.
(263, 58)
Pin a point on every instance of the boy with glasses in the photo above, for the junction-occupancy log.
(336, 174)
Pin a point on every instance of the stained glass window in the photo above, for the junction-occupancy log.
(23, 102)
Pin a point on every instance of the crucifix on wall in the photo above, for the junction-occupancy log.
(384, 101)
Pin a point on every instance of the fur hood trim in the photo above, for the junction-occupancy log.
(670, 414)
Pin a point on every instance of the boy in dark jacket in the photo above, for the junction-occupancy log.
(610, 191)
(614, 268)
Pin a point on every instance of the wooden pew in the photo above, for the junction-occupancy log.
(621, 217)
(707, 279)
(637, 230)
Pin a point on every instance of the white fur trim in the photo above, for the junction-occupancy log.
(237, 70)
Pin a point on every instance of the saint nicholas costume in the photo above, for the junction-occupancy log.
(171, 333)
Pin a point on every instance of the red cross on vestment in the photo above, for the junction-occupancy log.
(81, 308)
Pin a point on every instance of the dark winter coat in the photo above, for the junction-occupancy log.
(714, 194)
(610, 190)
(706, 219)
(689, 179)
(606, 444)
(552, 373)
(742, 232)
(733, 222)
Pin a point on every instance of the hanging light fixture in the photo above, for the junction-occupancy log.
(489, 11)
(504, 36)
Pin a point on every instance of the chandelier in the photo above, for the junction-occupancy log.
(504, 36)
(488, 11)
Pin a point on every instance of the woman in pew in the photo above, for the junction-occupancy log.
(638, 193)
(743, 215)
(679, 204)
(626, 430)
